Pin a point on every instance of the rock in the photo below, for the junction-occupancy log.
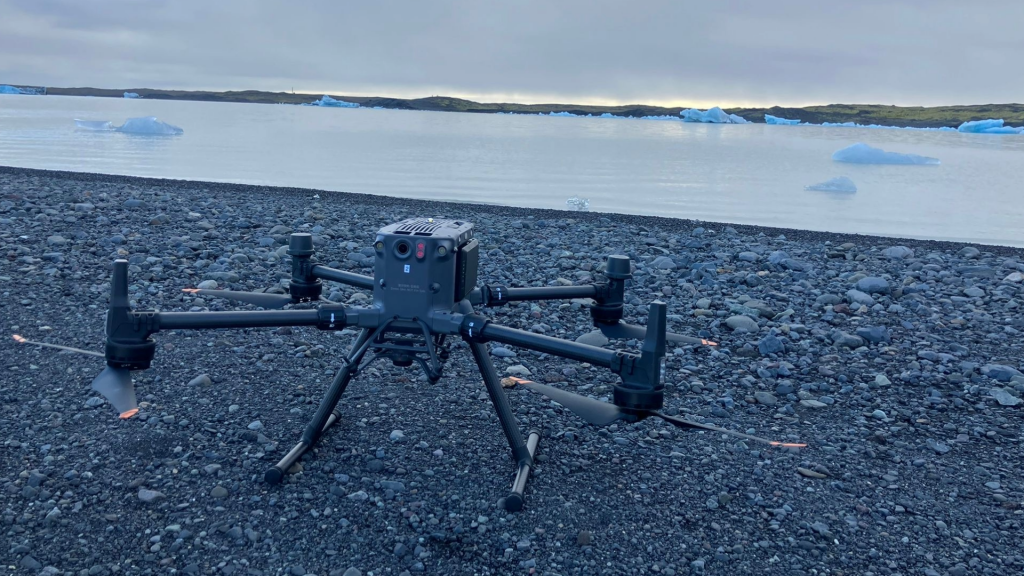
(974, 292)
(502, 352)
(1004, 397)
(844, 340)
(969, 252)
(938, 447)
(812, 404)
(766, 398)
(201, 380)
(878, 415)
(1014, 277)
(827, 300)
(898, 252)
(881, 380)
(874, 334)
(352, 572)
(219, 492)
(748, 256)
(396, 436)
(151, 496)
(517, 370)
(594, 338)
(584, 538)
(742, 323)
(859, 297)
(56, 240)
(770, 344)
(663, 263)
(1000, 372)
(207, 285)
(359, 496)
(810, 473)
(255, 425)
(873, 285)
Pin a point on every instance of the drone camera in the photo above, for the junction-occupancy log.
(424, 265)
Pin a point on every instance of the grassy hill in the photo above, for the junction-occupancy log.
(860, 113)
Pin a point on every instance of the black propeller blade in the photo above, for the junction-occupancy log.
(601, 413)
(115, 384)
(269, 301)
(627, 331)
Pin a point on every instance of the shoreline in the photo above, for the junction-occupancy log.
(864, 114)
(667, 223)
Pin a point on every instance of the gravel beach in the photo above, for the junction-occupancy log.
(897, 361)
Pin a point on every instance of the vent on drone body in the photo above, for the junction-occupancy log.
(425, 226)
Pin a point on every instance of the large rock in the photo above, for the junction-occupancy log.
(874, 334)
(898, 252)
(1000, 372)
(860, 298)
(873, 285)
(742, 323)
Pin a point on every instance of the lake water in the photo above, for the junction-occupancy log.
(749, 174)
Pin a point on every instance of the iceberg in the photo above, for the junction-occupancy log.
(578, 204)
(328, 102)
(713, 116)
(149, 125)
(988, 127)
(5, 89)
(861, 153)
(97, 125)
(838, 184)
(769, 119)
(564, 114)
(131, 95)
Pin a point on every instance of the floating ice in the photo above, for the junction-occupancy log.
(131, 95)
(97, 125)
(769, 119)
(578, 204)
(988, 127)
(713, 116)
(861, 153)
(149, 125)
(5, 89)
(329, 102)
(838, 184)
(566, 114)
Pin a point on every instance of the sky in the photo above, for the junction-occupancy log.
(671, 52)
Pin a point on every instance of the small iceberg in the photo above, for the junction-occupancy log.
(713, 116)
(328, 102)
(578, 204)
(131, 95)
(861, 153)
(95, 125)
(769, 119)
(988, 127)
(839, 184)
(147, 125)
(5, 89)
(563, 114)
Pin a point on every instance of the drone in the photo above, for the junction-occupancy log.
(424, 291)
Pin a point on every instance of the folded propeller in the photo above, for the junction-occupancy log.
(268, 301)
(601, 413)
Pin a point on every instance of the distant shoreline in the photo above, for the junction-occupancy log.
(911, 116)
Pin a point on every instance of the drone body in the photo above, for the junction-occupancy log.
(424, 291)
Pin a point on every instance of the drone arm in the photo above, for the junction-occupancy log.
(497, 295)
(326, 273)
(477, 328)
(246, 319)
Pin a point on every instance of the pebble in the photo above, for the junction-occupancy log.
(219, 492)
(151, 496)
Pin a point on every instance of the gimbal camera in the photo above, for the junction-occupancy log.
(424, 290)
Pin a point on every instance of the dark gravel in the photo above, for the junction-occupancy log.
(896, 360)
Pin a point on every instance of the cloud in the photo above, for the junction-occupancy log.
(730, 52)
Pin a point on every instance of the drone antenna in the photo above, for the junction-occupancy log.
(21, 340)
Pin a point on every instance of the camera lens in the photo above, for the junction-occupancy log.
(402, 248)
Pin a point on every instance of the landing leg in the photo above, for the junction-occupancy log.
(522, 452)
(326, 414)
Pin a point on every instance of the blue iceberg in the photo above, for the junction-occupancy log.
(713, 116)
(861, 153)
(839, 184)
(5, 89)
(988, 127)
(131, 95)
(328, 102)
(149, 125)
(95, 125)
(769, 119)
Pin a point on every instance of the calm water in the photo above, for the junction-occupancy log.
(752, 174)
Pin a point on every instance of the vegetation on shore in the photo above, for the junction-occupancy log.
(917, 116)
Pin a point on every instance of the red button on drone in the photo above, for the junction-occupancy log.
(420, 250)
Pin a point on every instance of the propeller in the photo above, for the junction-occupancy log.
(627, 331)
(114, 384)
(601, 413)
(269, 301)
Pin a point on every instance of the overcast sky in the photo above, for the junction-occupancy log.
(671, 52)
